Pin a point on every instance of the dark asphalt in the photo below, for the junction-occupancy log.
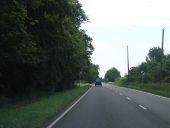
(117, 107)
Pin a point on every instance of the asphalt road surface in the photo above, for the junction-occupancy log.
(117, 107)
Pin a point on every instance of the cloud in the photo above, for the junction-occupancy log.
(127, 12)
(109, 55)
(116, 23)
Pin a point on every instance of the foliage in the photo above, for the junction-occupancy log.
(122, 80)
(149, 71)
(112, 74)
(154, 88)
(92, 74)
(155, 54)
(42, 45)
(34, 114)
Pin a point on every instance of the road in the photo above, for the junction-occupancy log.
(117, 107)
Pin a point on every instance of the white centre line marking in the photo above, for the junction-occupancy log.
(142, 107)
(63, 114)
(128, 98)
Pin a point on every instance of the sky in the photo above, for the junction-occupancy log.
(114, 24)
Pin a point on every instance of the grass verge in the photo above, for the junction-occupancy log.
(33, 115)
(155, 88)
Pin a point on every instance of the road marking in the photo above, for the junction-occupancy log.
(64, 113)
(120, 94)
(128, 98)
(142, 107)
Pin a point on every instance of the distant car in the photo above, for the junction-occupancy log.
(98, 82)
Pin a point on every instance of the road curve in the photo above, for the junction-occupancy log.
(116, 107)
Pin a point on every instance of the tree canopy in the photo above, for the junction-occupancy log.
(155, 54)
(149, 71)
(42, 45)
(112, 74)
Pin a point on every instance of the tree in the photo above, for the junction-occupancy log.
(91, 73)
(17, 48)
(166, 67)
(154, 63)
(112, 74)
(42, 45)
(148, 71)
(65, 49)
(155, 54)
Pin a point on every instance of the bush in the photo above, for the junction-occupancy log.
(122, 80)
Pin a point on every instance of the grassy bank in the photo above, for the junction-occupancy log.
(155, 88)
(33, 115)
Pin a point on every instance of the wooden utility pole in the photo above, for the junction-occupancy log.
(128, 60)
(162, 56)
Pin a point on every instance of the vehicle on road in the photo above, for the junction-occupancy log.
(98, 82)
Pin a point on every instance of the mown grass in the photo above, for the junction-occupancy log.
(33, 115)
(155, 88)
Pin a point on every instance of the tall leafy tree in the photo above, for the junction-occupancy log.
(42, 45)
(91, 73)
(155, 54)
(17, 49)
(112, 74)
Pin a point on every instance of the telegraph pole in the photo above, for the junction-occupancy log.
(162, 55)
(128, 60)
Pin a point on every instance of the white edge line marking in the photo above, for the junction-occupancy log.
(142, 107)
(146, 92)
(128, 98)
(64, 113)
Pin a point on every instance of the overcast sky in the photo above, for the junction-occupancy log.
(114, 24)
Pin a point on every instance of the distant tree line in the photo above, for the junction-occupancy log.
(150, 70)
(42, 46)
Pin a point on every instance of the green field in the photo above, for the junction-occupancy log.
(33, 115)
(155, 88)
